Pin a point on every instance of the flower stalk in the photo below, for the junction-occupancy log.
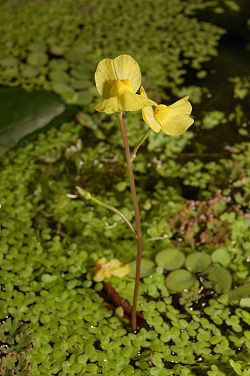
(88, 196)
(138, 145)
(137, 218)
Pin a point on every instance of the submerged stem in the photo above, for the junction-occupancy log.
(88, 196)
(137, 218)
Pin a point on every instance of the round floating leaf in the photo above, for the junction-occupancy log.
(75, 54)
(37, 59)
(57, 50)
(10, 73)
(170, 259)
(37, 47)
(8, 62)
(58, 64)
(29, 71)
(81, 73)
(147, 268)
(84, 97)
(59, 76)
(46, 278)
(79, 85)
(180, 280)
(220, 277)
(197, 262)
(62, 89)
(70, 97)
(221, 256)
(121, 186)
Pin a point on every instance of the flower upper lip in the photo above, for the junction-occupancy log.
(118, 81)
(123, 67)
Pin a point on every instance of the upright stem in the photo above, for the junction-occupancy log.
(137, 219)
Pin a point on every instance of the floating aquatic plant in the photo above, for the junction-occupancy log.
(58, 53)
(48, 324)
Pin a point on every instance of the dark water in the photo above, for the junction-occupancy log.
(233, 60)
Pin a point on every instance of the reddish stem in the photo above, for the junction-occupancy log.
(137, 219)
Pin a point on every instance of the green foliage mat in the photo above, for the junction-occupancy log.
(194, 197)
(53, 317)
(56, 45)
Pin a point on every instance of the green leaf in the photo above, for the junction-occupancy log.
(23, 113)
(59, 76)
(239, 293)
(197, 262)
(84, 97)
(170, 259)
(221, 256)
(236, 366)
(180, 280)
(46, 278)
(37, 59)
(62, 89)
(57, 50)
(29, 71)
(9, 61)
(147, 268)
(245, 302)
(220, 277)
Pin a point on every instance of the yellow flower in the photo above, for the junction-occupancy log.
(117, 81)
(105, 269)
(174, 120)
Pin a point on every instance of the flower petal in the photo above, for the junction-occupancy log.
(105, 269)
(175, 119)
(148, 114)
(148, 117)
(177, 124)
(109, 106)
(126, 68)
(182, 105)
(105, 77)
(122, 271)
(133, 102)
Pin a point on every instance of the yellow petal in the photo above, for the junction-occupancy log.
(120, 87)
(105, 269)
(122, 271)
(174, 119)
(148, 115)
(177, 124)
(126, 68)
(109, 106)
(133, 102)
(105, 77)
(102, 260)
(182, 105)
